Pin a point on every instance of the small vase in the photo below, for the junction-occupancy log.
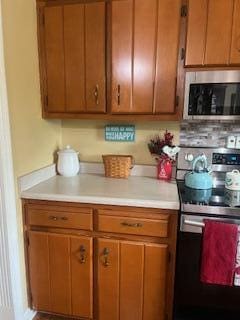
(164, 169)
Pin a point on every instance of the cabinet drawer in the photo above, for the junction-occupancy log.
(136, 226)
(81, 219)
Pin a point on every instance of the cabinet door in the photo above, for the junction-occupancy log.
(122, 39)
(219, 28)
(235, 47)
(74, 45)
(133, 55)
(74, 50)
(196, 32)
(60, 269)
(54, 58)
(95, 57)
(212, 34)
(131, 280)
(167, 55)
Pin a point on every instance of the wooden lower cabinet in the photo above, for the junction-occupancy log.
(120, 267)
(131, 280)
(60, 272)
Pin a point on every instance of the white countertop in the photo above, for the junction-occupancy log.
(95, 188)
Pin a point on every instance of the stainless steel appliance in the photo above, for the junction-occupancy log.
(212, 95)
(193, 299)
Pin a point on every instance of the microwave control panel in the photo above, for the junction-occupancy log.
(226, 159)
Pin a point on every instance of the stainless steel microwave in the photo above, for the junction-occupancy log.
(212, 95)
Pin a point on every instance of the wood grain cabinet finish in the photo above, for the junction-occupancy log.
(131, 280)
(72, 53)
(109, 59)
(60, 271)
(122, 268)
(213, 33)
(145, 38)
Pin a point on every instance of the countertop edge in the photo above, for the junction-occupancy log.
(172, 205)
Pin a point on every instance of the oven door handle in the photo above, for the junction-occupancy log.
(194, 224)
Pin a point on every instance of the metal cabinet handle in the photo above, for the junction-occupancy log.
(96, 94)
(132, 225)
(83, 256)
(105, 255)
(53, 218)
(118, 94)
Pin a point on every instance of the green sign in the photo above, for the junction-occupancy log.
(120, 133)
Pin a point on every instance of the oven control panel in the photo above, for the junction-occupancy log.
(226, 159)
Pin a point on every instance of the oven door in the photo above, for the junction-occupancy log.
(212, 95)
(194, 299)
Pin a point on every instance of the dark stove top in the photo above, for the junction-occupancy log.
(215, 201)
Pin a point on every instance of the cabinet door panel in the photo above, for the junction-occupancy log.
(39, 270)
(54, 52)
(122, 41)
(95, 57)
(235, 47)
(145, 22)
(155, 275)
(132, 286)
(74, 57)
(131, 281)
(167, 55)
(59, 253)
(196, 32)
(108, 280)
(219, 32)
(81, 279)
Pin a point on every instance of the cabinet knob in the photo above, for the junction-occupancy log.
(83, 257)
(105, 255)
(54, 218)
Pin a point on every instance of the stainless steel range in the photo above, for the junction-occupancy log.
(193, 299)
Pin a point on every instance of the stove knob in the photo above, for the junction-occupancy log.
(189, 157)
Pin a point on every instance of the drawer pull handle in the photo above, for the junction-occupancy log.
(54, 218)
(119, 95)
(132, 225)
(96, 94)
(82, 254)
(105, 254)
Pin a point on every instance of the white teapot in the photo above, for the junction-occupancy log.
(68, 162)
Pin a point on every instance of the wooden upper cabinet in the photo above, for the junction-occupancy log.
(60, 268)
(131, 280)
(235, 46)
(145, 38)
(95, 57)
(196, 32)
(72, 49)
(213, 33)
(167, 55)
(54, 55)
(219, 27)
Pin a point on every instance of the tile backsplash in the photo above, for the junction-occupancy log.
(207, 134)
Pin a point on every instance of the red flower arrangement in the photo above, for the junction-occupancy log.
(155, 146)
